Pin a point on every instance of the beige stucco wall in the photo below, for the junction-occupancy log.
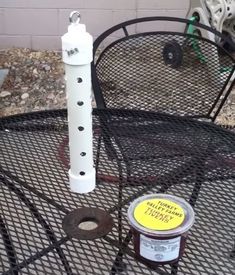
(38, 24)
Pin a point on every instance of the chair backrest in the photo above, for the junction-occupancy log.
(168, 71)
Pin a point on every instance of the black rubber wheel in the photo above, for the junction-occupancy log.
(173, 54)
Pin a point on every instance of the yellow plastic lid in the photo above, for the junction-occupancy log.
(161, 214)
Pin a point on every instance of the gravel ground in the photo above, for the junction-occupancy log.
(36, 82)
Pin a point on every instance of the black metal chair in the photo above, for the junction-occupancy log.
(166, 71)
(162, 71)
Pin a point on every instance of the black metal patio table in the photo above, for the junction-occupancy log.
(136, 153)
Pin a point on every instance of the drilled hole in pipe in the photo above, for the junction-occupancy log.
(88, 224)
(82, 173)
(83, 154)
(79, 80)
(80, 128)
(80, 103)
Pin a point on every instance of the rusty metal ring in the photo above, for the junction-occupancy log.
(71, 223)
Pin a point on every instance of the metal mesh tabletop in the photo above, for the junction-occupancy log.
(136, 153)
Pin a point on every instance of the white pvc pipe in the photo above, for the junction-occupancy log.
(77, 56)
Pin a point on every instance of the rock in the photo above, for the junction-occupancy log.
(36, 55)
(35, 71)
(7, 65)
(18, 79)
(22, 102)
(24, 96)
(28, 61)
(36, 87)
(6, 103)
(37, 103)
(41, 90)
(51, 96)
(46, 68)
(24, 89)
(5, 94)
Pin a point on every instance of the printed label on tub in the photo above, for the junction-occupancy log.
(159, 250)
(159, 214)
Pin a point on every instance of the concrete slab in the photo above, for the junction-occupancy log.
(3, 74)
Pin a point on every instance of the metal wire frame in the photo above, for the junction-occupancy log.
(184, 170)
(122, 246)
(216, 106)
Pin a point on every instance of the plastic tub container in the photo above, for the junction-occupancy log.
(160, 225)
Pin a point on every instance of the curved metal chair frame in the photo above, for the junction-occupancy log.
(122, 80)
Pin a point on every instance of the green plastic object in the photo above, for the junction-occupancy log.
(196, 47)
(191, 30)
